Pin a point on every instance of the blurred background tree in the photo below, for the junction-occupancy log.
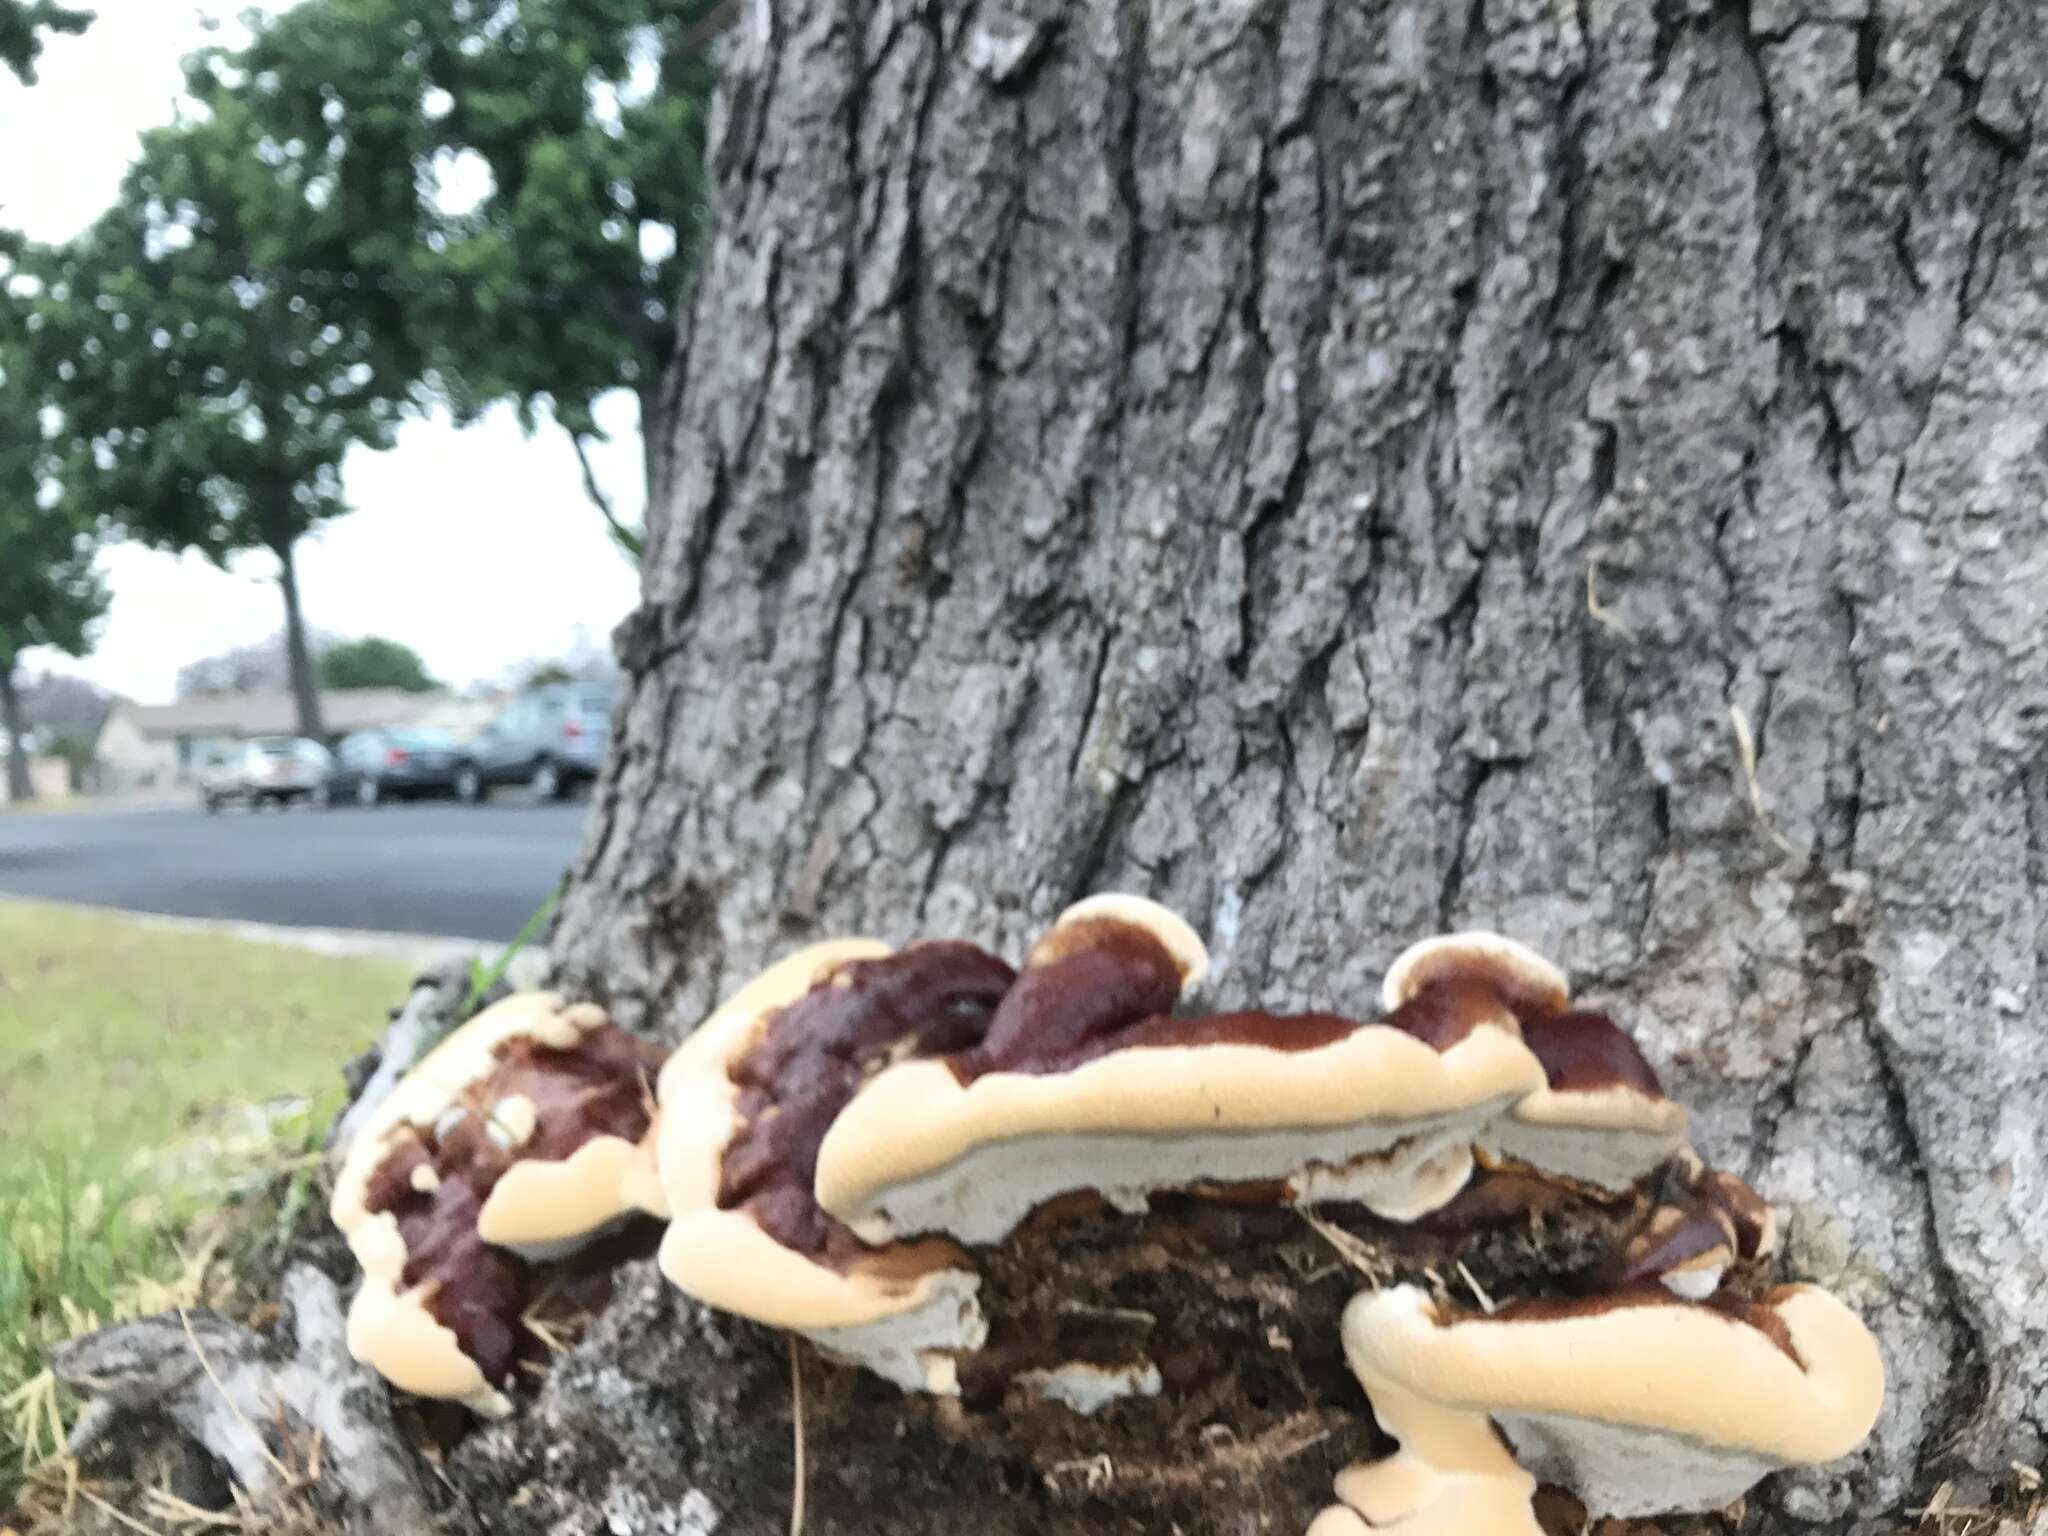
(250, 668)
(209, 390)
(526, 178)
(50, 593)
(22, 23)
(374, 662)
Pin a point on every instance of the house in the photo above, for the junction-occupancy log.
(144, 745)
(124, 757)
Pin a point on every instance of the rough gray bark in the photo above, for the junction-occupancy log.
(1352, 470)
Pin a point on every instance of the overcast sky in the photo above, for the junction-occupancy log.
(477, 548)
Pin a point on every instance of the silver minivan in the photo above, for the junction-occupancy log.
(268, 770)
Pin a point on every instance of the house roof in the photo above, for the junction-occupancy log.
(270, 712)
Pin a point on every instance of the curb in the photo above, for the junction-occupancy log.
(422, 951)
(94, 805)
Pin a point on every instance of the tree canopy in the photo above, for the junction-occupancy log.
(22, 23)
(209, 390)
(50, 592)
(527, 175)
(373, 662)
(210, 393)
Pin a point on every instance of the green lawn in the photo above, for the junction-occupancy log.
(146, 1075)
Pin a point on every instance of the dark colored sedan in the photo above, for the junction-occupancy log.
(390, 765)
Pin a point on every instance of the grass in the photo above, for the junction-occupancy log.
(146, 1076)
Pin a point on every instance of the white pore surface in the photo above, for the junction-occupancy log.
(978, 1198)
(913, 1349)
(1619, 1471)
(1404, 1183)
(1609, 1157)
(1088, 1389)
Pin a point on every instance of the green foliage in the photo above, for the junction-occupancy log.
(549, 672)
(484, 977)
(145, 1077)
(20, 23)
(50, 594)
(77, 754)
(501, 163)
(208, 395)
(373, 662)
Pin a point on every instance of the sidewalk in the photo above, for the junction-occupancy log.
(421, 951)
(169, 798)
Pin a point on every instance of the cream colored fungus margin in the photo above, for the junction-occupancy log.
(1662, 1407)
(897, 1312)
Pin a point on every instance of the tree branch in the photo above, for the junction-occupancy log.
(625, 537)
(706, 30)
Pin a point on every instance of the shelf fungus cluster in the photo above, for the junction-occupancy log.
(1060, 1193)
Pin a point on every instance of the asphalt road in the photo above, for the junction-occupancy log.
(473, 872)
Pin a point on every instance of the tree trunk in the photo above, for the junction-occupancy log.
(1357, 470)
(20, 786)
(298, 654)
(658, 398)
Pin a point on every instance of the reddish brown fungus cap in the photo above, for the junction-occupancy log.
(1095, 1089)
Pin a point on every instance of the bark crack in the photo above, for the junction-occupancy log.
(1095, 674)
(1965, 1391)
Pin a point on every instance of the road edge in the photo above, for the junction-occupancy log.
(420, 950)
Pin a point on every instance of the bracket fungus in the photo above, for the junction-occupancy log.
(744, 1104)
(524, 1136)
(1088, 1081)
(1060, 1194)
(1638, 1401)
(1601, 1116)
(1020, 1189)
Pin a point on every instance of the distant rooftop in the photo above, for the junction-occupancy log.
(270, 712)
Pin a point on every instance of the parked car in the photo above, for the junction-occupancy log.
(269, 769)
(396, 764)
(550, 740)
